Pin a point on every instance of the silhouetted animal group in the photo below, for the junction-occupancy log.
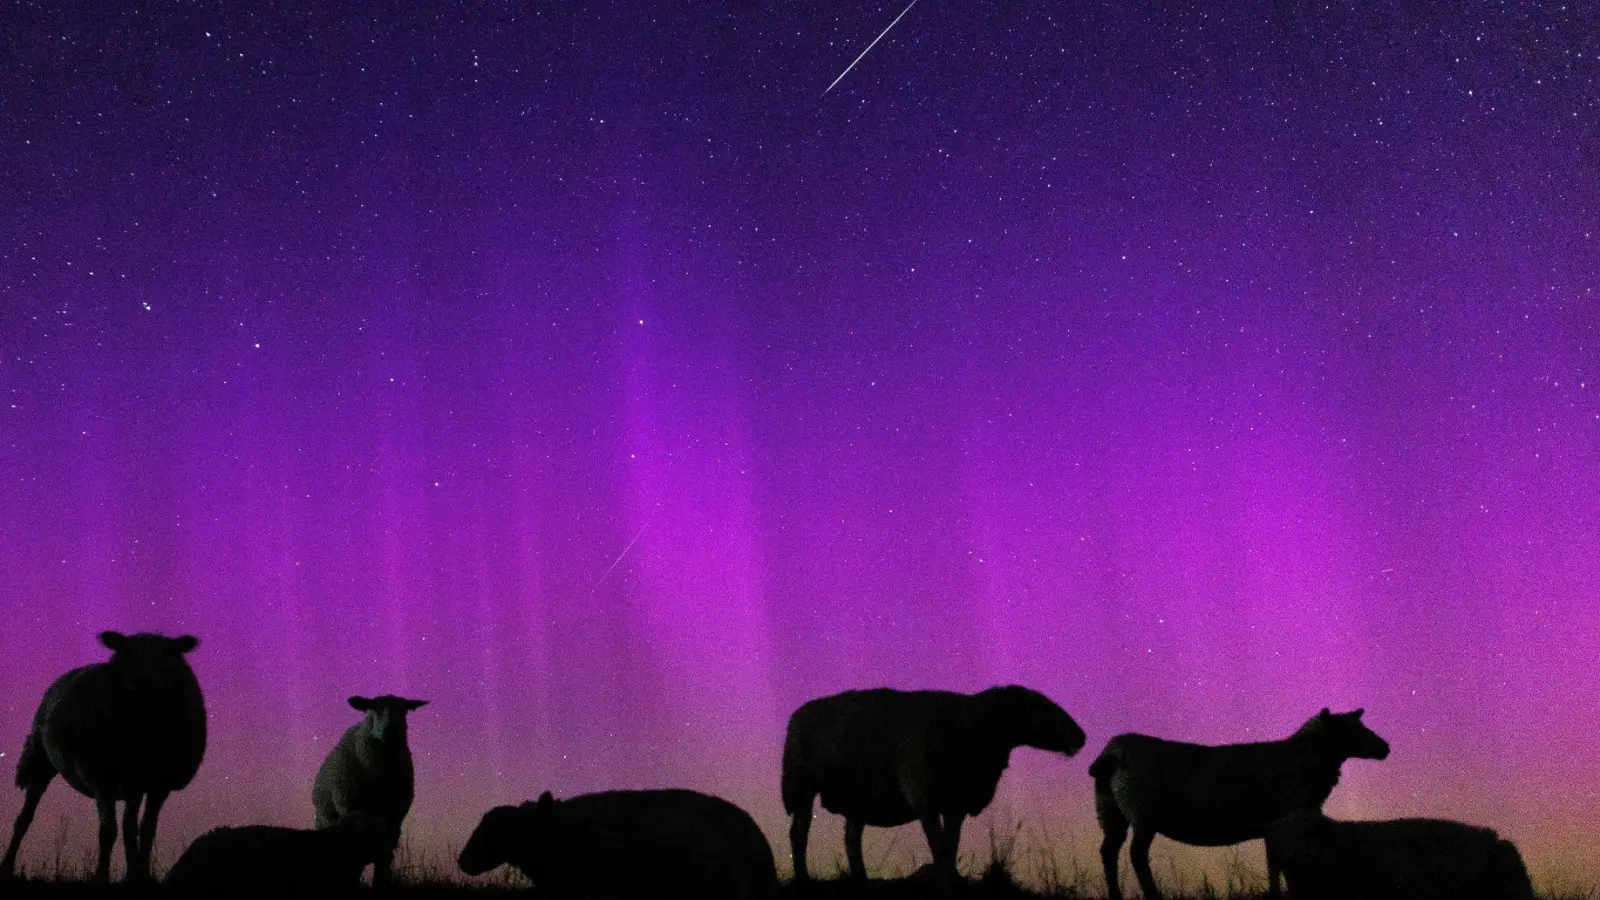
(133, 729)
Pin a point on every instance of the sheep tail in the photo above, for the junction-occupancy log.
(1104, 765)
(33, 765)
(795, 791)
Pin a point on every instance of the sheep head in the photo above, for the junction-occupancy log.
(1345, 735)
(387, 716)
(1027, 718)
(507, 833)
(150, 661)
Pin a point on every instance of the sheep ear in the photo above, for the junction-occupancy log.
(1358, 713)
(415, 704)
(1324, 714)
(185, 643)
(113, 640)
(361, 703)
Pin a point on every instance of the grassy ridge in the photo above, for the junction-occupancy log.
(996, 883)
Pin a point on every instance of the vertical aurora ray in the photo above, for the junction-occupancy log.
(692, 562)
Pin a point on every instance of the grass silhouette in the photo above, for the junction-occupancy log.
(1007, 874)
(996, 882)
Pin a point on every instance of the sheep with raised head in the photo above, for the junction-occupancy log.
(886, 757)
(1211, 796)
(630, 845)
(1399, 859)
(369, 771)
(132, 729)
(261, 860)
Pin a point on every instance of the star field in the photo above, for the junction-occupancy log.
(583, 369)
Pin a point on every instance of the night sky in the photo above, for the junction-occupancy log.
(585, 369)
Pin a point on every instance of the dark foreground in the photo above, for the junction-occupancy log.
(996, 884)
(912, 888)
(993, 885)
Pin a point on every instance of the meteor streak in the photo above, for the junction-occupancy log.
(869, 47)
(624, 552)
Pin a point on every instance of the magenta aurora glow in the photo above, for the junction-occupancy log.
(576, 368)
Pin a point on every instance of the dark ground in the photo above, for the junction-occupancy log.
(993, 885)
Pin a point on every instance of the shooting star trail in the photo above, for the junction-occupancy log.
(624, 552)
(869, 47)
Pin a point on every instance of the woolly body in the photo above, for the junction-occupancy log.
(131, 729)
(668, 844)
(369, 771)
(1400, 859)
(886, 758)
(1216, 795)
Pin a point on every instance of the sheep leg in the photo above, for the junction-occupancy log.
(852, 848)
(1139, 850)
(107, 807)
(383, 868)
(1273, 871)
(799, 833)
(951, 840)
(130, 834)
(147, 830)
(1115, 826)
(933, 830)
(382, 871)
(24, 819)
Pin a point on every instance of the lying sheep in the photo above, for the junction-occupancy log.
(650, 845)
(1401, 859)
(369, 771)
(283, 862)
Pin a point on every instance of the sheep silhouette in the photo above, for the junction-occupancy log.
(265, 860)
(630, 845)
(1215, 795)
(132, 729)
(369, 771)
(1400, 859)
(886, 758)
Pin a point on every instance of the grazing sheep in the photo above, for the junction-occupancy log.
(886, 757)
(266, 860)
(369, 771)
(648, 845)
(1402, 859)
(1211, 796)
(131, 729)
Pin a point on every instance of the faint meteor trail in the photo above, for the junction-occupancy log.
(624, 552)
(869, 47)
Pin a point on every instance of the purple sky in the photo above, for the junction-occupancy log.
(584, 369)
